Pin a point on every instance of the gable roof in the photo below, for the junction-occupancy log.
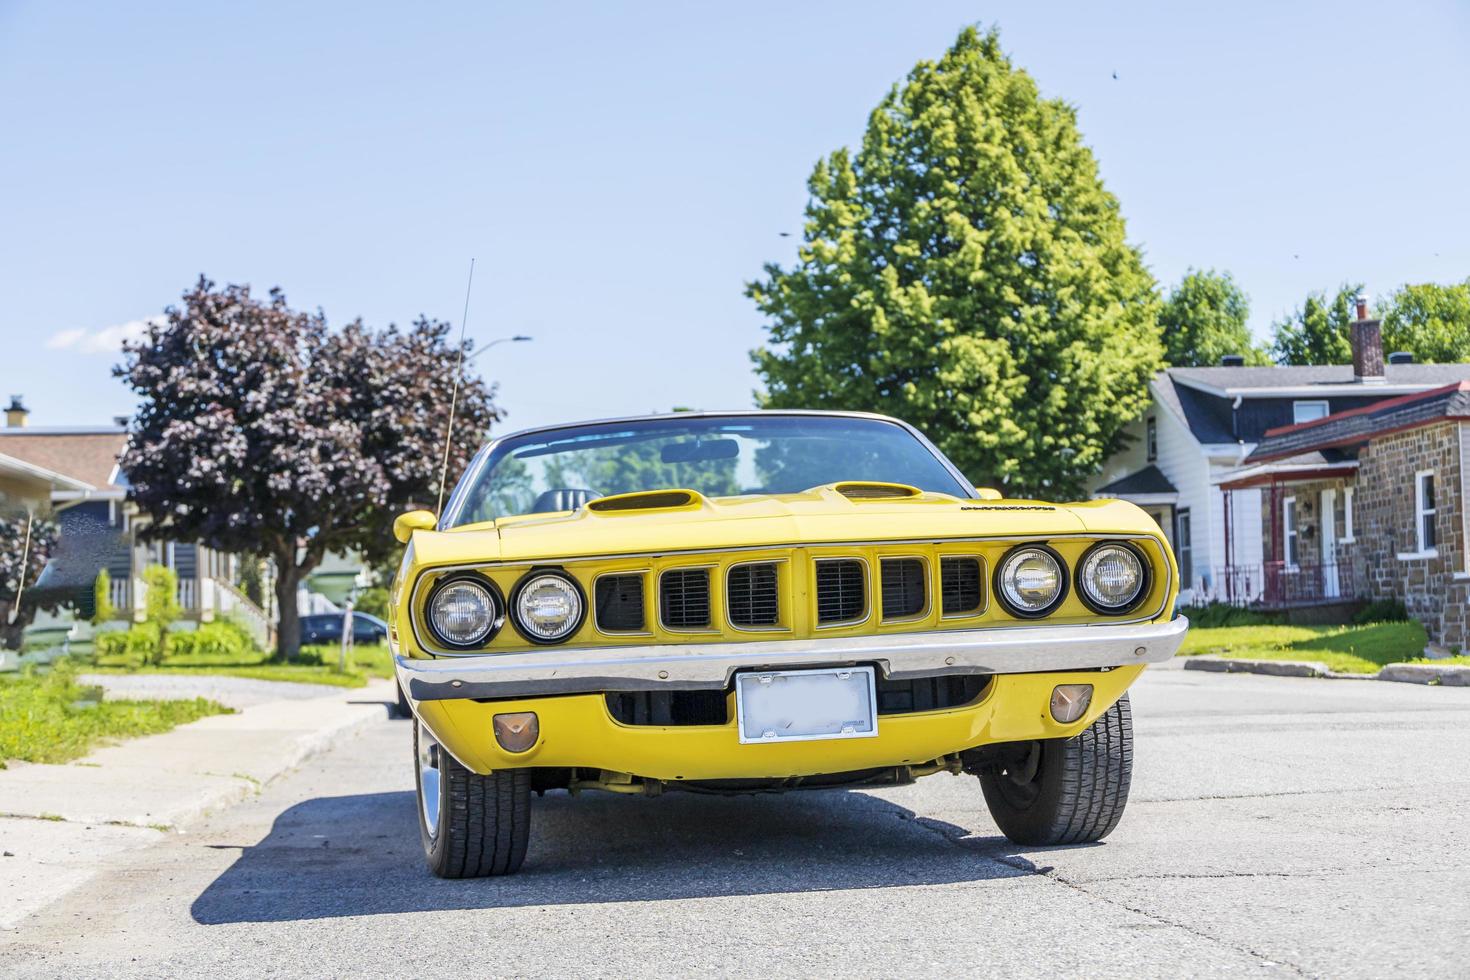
(87, 456)
(1361, 424)
(1148, 480)
(1230, 381)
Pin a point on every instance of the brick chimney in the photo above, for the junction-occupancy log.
(1367, 340)
(16, 413)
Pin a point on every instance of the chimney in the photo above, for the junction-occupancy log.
(1401, 357)
(16, 413)
(1367, 340)
(121, 421)
(1232, 360)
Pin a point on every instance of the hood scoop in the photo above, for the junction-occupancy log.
(646, 500)
(877, 491)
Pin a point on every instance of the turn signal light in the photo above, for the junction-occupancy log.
(518, 732)
(1069, 702)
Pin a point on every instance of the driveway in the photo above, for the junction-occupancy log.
(1278, 827)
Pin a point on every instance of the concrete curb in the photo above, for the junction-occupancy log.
(1446, 676)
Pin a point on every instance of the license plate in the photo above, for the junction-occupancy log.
(801, 705)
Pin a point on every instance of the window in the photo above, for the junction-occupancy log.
(1151, 438)
(1288, 530)
(1347, 513)
(1184, 549)
(1424, 510)
(1308, 411)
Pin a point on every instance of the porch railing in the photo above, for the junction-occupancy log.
(1279, 585)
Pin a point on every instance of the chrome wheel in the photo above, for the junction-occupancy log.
(430, 778)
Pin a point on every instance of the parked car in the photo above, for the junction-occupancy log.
(327, 628)
(756, 601)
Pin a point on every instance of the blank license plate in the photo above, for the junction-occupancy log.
(800, 705)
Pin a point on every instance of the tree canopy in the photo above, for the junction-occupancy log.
(1204, 318)
(1430, 321)
(1319, 332)
(261, 431)
(966, 270)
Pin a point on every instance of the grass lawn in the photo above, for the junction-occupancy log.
(1349, 649)
(50, 718)
(316, 665)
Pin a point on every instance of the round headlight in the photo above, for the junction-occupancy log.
(1031, 581)
(1112, 577)
(548, 607)
(463, 612)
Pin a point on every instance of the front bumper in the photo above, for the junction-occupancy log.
(710, 666)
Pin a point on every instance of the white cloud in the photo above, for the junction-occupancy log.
(104, 340)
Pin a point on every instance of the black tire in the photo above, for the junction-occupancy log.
(404, 711)
(484, 822)
(1068, 790)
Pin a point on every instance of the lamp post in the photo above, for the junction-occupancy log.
(518, 338)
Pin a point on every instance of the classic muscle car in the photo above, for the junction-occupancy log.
(755, 601)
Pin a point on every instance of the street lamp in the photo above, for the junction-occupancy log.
(502, 340)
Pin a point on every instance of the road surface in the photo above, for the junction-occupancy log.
(1278, 827)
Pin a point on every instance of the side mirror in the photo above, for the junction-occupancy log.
(988, 493)
(415, 520)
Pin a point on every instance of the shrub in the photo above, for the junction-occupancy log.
(373, 601)
(217, 640)
(102, 607)
(134, 647)
(1217, 614)
(1382, 611)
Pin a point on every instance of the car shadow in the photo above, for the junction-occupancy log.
(360, 855)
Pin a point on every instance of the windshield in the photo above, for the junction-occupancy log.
(562, 469)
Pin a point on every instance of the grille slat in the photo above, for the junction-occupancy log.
(840, 590)
(684, 599)
(959, 585)
(620, 603)
(903, 587)
(751, 595)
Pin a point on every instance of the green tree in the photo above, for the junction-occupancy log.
(1430, 321)
(160, 604)
(1204, 318)
(1318, 333)
(966, 270)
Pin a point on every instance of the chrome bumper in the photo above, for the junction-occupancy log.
(709, 666)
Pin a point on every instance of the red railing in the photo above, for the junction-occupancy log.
(1278, 585)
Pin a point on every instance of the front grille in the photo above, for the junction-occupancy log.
(668, 707)
(929, 693)
(620, 603)
(751, 597)
(903, 587)
(840, 594)
(959, 584)
(684, 599)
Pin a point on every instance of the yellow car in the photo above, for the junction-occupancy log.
(754, 601)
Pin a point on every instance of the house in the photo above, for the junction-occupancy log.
(1196, 440)
(1370, 504)
(98, 529)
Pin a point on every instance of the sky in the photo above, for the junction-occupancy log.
(619, 170)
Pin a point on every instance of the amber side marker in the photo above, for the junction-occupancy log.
(1069, 702)
(516, 732)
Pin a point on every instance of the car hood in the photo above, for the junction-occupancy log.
(820, 516)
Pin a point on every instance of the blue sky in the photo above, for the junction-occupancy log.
(619, 170)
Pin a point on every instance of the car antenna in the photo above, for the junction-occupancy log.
(454, 392)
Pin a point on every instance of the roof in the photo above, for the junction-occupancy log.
(1304, 468)
(1148, 480)
(88, 456)
(38, 475)
(1362, 424)
(1238, 380)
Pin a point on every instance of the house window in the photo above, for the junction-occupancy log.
(1424, 510)
(1347, 514)
(1289, 532)
(1308, 411)
(1184, 548)
(1151, 438)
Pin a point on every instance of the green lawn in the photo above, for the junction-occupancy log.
(1348, 649)
(50, 718)
(316, 665)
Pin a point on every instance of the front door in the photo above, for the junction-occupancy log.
(1330, 586)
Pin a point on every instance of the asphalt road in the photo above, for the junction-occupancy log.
(1278, 826)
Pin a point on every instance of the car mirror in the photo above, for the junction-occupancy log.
(415, 520)
(699, 451)
(988, 493)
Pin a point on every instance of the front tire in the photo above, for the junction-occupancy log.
(472, 826)
(1066, 790)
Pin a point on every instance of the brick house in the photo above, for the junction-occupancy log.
(1369, 503)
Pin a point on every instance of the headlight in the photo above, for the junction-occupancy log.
(1112, 577)
(1031, 581)
(464, 612)
(548, 607)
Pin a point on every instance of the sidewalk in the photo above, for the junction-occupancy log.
(58, 822)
